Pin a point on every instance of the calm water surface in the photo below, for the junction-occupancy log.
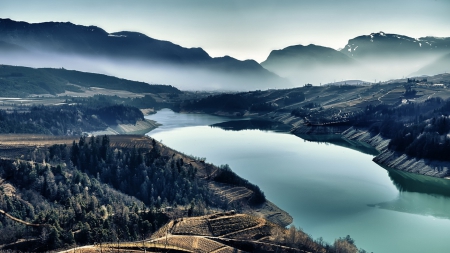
(330, 191)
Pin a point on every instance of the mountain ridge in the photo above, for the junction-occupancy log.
(397, 44)
(367, 57)
(125, 52)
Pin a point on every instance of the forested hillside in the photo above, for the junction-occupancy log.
(89, 192)
(66, 119)
(98, 191)
(418, 130)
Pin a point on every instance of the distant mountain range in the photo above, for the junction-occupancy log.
(131, 55)
(308, 64)
(127, 54)
(368, 57)
(384, 45)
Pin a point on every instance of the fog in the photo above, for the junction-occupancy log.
(184, 77)
(187, 77)
(368, 70)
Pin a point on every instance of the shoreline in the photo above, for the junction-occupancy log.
(363, 141)
(358, 139)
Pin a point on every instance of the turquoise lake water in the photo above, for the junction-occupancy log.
(329, 190)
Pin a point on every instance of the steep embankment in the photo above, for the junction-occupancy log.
(397, 160)
(362, 139)
(230, 194)
(141, 127)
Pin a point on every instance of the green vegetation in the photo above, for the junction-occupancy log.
(22, 81)
(108, 82)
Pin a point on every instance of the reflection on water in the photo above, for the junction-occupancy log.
(339, 141)
(253, 124)
(408, 184)
(405, 181)
(329, 190)
(411, 186)
(412, 202)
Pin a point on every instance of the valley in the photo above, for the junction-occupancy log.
(116, 138)
(349, 115)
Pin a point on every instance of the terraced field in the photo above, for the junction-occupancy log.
(229, 193)
(230, 225)
(195, 244)
(221, 233)
(192, 226)
(227, 225)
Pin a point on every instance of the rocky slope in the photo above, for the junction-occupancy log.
(385, 157)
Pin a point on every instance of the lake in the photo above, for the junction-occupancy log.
(330, 191)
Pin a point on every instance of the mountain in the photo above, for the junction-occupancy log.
(67, 38)
(127, 54)
(388, 56)
(304, 64)
(306, 56)
(10, 48)
(377, 56)
(384, 45)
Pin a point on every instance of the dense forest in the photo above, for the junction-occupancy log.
(67, 119)
(90, 193)
(416, 129)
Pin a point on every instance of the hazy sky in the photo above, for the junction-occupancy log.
(244, 29)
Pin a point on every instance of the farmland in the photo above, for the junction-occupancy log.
(219, 233)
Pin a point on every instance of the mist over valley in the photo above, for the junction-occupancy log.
(131, 55)
(234, 126)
